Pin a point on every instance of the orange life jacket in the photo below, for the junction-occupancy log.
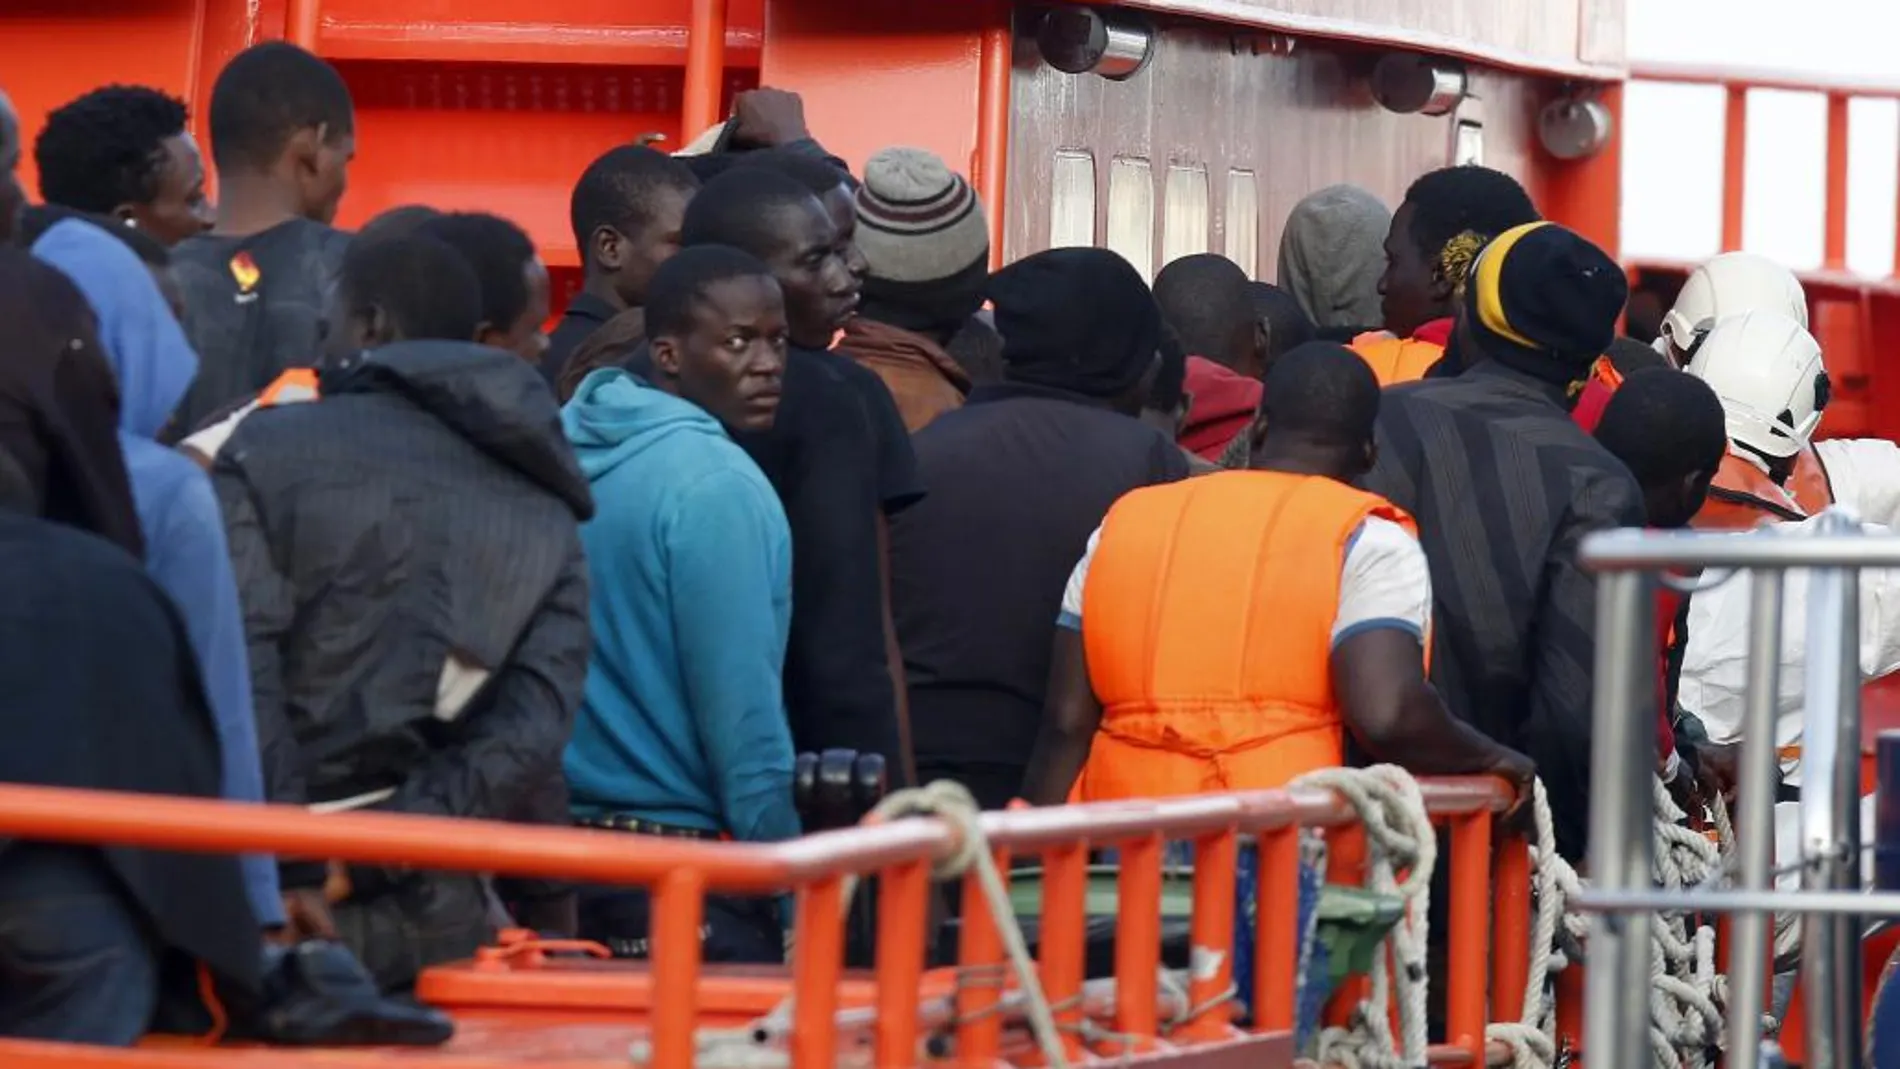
(1207, 622)
(1393, 359)
(1742, 495)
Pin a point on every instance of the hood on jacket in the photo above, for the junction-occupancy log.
(1223, 404)
(147, 348)
(614, 417)
(492, 398)
(1332, 254)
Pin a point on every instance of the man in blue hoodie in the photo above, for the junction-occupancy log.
(682, 730)
(185, 548)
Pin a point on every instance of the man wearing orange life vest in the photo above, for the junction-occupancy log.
(1170, 677)
(1447, 216)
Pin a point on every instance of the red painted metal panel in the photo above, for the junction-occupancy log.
(648, 33)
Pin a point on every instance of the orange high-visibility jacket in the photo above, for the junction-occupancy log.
(1207, 621)
(1742, 495)
(1393, 359)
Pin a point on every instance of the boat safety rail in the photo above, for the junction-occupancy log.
(1737, 83)
(1832, 551)
(1489, 910)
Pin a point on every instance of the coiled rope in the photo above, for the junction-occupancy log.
(1399, 838)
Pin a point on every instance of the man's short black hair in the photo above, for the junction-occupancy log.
(1629, 356)
(1288, 326)
(1449, 201)
(615, 188)
(681, 282)
(740, 208)
(711, 165)
(1169, 388)
(107, 147)
(817, 175)
(1323, 392)
(1205, 299)
(265, 95)
(1664, 424)
(37, 219)
(425, 287)
(498, 250)
(394, 223)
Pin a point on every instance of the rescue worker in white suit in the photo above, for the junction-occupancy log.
(1771, 378)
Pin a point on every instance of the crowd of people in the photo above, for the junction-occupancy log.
(793, 472)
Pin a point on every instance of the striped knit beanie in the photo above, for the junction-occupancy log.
(924, 237)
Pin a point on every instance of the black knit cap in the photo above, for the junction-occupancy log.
(1545, 301)
(1080, 320)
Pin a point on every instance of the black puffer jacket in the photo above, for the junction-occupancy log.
(427, 506)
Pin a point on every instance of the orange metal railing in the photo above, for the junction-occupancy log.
(1737, 82)
(1488, 937)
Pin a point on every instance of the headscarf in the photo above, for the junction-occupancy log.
(1079, 320)
(1544, 301)
(59, 404)
(188, 556)
(143, 342)
(1332, 254)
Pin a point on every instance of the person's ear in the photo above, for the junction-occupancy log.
(1443, 289)
(304, 149)
(1262, 343)
(667, 356)
(609, 248)
(1257, 431)
(376, 327)
(126, 214)
(490, 335)
(1371, 456)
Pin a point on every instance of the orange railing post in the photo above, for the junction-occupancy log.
(1216, 865)
(903, 911)
(1065, 884)
(678, 906)
(1510, 927)
(980, 954)
(1834, 254)
(992, 126)
(1138, 938)
(816, 971)
(1734, 166)
(705, 68)
(1470, 933)
(1276, 957)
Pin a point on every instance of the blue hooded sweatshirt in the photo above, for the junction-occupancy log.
(683, 721)
(185, 548)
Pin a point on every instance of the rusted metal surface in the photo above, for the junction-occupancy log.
(1565, 38)
(1232, 100)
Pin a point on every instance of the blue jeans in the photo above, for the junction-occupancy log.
(76, 964)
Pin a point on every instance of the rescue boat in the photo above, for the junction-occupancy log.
(1158, 129)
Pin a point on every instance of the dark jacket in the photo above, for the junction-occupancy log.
(426, 508)
(1019, 477)
(1504, 485)
(102, 693)
(585, 314)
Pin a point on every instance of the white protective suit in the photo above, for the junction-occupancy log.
(1715, 669)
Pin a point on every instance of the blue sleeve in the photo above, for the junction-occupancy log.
(729, 580)
(187, 555)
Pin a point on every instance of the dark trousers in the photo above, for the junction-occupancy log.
(733, 930)
(424, 919)
(76, 962)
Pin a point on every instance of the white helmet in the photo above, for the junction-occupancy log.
(1767, 370)
(1728, 285)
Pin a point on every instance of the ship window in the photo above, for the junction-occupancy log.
(1131, 213)
(1072, 201)
(1243, 221)
(1184, 230)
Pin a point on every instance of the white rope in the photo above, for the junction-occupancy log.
(1687, 995)
(1399, 837)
